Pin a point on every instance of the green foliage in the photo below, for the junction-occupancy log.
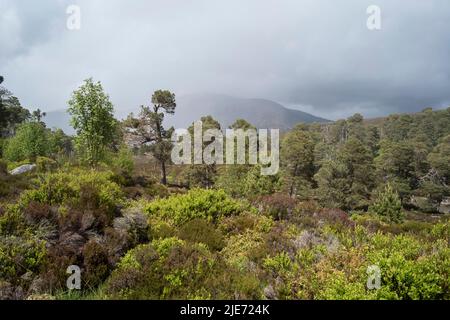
(149, 128)
(297, 156)
(20, 255)
(11, 113)
(203, 175)
(96, 264)
(76, 187)
(333, 185)
(45, 164)
(183, 271)
(203, 244)
(257, 184)
(164, 246)
(201, 231)
(123, 161)
(388, 205)
(440, 159)
(93, 119)
(232, 180)
(394, 165)
(278, 205)
(279, 264)
(31, 140)
(346, 182)
(197, 203)
(60, 143)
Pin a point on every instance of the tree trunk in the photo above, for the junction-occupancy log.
(163, 171)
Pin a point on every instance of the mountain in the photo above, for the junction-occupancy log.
(263, 114)
(226, 109)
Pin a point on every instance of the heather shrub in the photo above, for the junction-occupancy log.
(160, 229)
(281, 238)
(12, 222)
(11, 186)
(201, 231)
(96, 264)
(335, 217)
(240, 247)
(171, 269)
(278, 206)
(19, 255)
(245, 221)
(197, 203)
(45, 164)
(53, 276)
(307, 208)
(157, 190)
(164, 246)
(76, 187)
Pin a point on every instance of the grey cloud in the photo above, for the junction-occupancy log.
(316, 55)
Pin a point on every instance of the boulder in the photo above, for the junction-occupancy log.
(424, 204)
(23, 169)
(444, 206)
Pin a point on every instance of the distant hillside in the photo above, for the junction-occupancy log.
(226, 109)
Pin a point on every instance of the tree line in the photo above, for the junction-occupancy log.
(346, 164)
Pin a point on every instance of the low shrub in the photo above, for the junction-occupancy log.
(76, 188)
(19, 255)
(3, 168)
(197, 203)
(307, 208)
(45, 164)
(245, 221)
(278, 206)
(160, 229)
(96, 264)
(201, 231)
(336, 218)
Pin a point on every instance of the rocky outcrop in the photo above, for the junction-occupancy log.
(444, 207)
(22, 169)
(424, 204)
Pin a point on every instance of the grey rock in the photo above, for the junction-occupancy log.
(22, 169)
(306, 239)
(37, 286)
(9, 292)
(269, 292)
(131, 221)
(87, 221)
(6, 291)
(72, 240)
(444, 206)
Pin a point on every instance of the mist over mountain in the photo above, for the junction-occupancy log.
(261, 113)
(226, 109)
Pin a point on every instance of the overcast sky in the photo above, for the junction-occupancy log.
(315, 55)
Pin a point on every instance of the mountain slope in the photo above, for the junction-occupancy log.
(264, 114)
(226, 109)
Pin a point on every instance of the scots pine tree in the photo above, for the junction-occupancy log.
(388, 205)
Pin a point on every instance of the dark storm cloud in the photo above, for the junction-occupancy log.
(316, 55)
